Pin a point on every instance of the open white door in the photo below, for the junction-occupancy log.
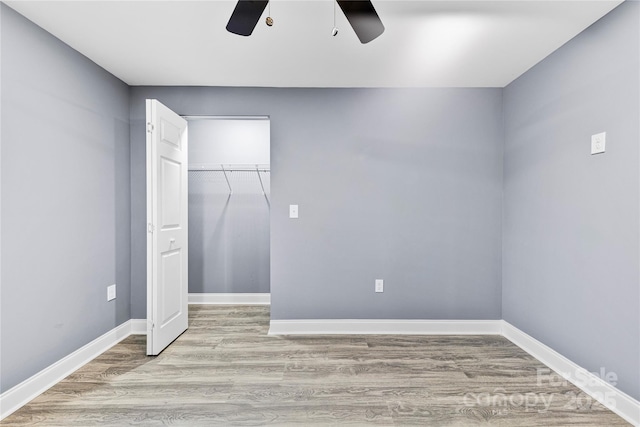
(167, 248)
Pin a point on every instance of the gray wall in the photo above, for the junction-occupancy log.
(65, 200)
(228, 234)
(571, 220)
(399, 184)
(404, 185)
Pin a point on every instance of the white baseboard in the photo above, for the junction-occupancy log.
(232, 299)
(615, 400)
(21, 394)
(612, 398)
(391, 326)
(138, 326)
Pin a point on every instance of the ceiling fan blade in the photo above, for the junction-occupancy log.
(363, 18)
(245, 16)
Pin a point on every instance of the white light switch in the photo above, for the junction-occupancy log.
(293, 211)
(379, 285)
(598, 142)
(111, 292)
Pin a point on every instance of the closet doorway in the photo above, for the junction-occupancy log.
(229, 208)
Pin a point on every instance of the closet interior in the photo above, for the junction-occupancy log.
(229, 204)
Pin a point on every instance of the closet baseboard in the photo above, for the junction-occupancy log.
(230, 299)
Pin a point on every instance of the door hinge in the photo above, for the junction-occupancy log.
(150, 127)
(150, 228)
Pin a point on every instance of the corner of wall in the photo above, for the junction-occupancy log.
(503, 143)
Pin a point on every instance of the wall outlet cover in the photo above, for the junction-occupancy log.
(111, 292)
(598, 143)
(293, 211)
(379, 285)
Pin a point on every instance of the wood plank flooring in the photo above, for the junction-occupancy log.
(226, 371)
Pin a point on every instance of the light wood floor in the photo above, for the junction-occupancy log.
(225, 370)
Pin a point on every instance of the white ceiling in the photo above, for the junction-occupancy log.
(426, 43)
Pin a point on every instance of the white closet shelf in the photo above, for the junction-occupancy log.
(234, 168)
(228, 167)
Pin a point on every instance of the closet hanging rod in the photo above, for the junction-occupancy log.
(256, 168)
(195, 117)
(229, 168)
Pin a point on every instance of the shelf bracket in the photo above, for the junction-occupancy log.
(227, 178)
(262, 186)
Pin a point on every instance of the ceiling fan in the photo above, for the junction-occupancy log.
(360, 13)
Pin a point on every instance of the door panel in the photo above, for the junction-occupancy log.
(167, 246)
(170, 133)
(170, 294)
(170, 187)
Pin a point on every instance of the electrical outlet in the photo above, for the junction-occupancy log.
(379, 285)
(598, 142)
(111, 292)
(293, 211)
